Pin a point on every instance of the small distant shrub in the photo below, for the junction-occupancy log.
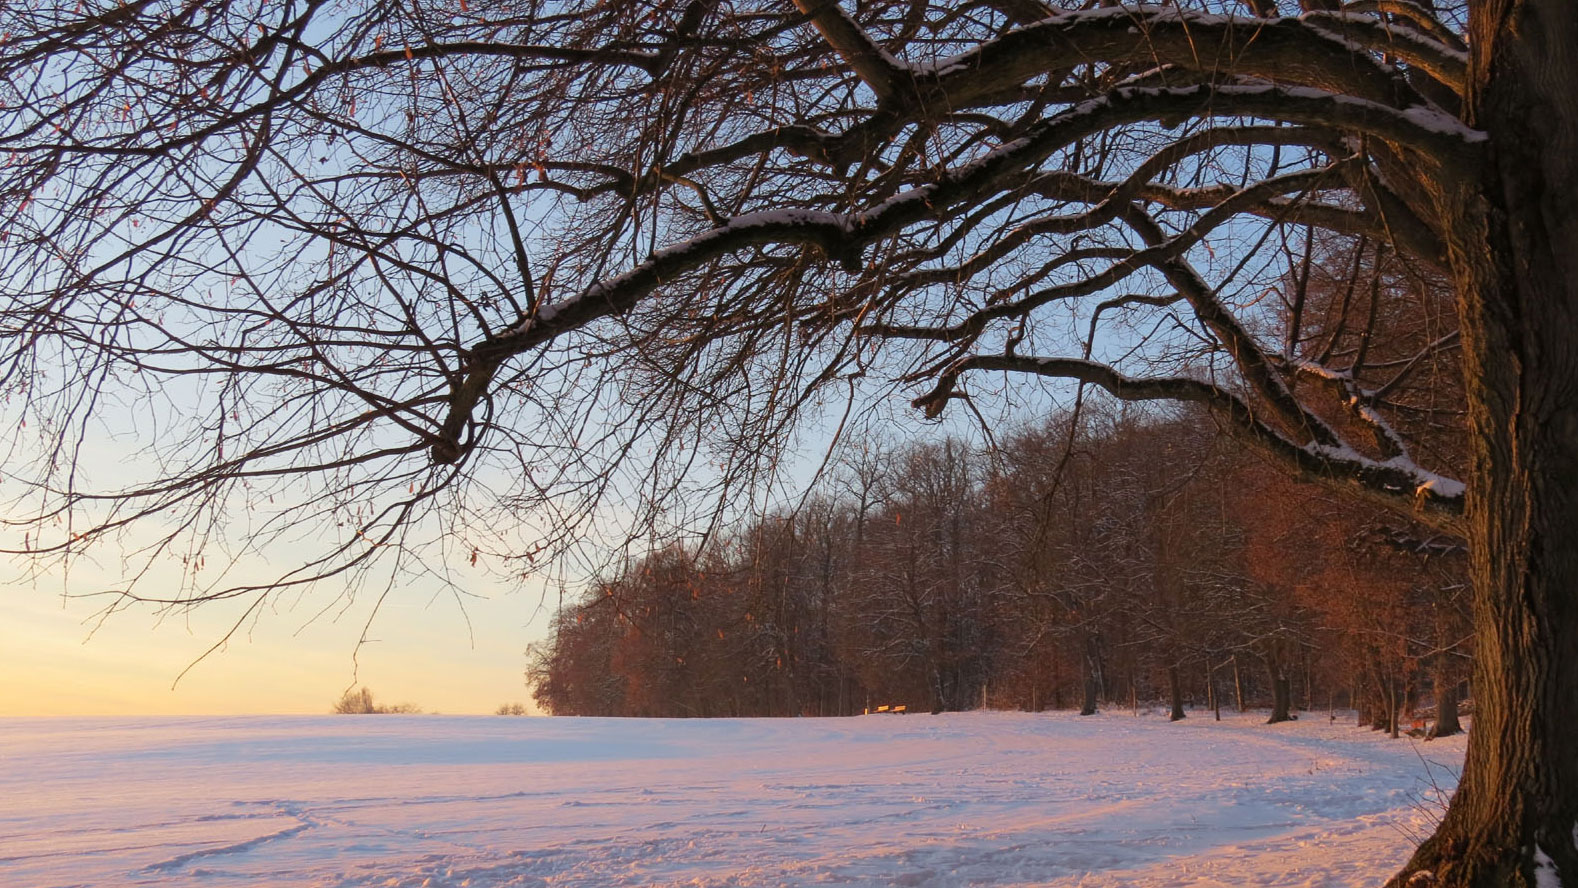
(361, 702)
(510, 709)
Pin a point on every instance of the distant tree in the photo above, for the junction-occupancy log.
(361, 702)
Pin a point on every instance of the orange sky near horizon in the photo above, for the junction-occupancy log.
(53, 661)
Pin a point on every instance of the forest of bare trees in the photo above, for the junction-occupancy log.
(1140, 560)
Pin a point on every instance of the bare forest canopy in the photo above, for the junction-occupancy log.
(1135, 559)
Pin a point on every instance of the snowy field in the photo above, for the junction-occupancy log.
(955, 800)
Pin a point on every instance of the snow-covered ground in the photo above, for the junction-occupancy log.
(918, 800)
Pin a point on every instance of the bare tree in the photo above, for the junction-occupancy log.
(361, 702)
(404, 271)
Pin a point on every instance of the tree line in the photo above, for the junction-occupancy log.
(1118, 558)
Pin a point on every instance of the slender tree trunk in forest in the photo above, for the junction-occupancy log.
(1383, 701)
(1309, 685)
(1175, 691)
(1446, 677)
(1515, 262)
(1394, 706)
(1238, 686)
(1088, 707)
(1447, 722)
(1057, 680)
(1281, 687)
(1092, 675)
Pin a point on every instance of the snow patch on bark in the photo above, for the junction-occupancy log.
(545, 315)
(1439, 485)
(1545, 874)
(1437, 121)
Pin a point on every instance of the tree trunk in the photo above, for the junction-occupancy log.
(1088, 707)
(1092, 675)
(1382, 705)
(1238, 686)
(1447, 722)
(1383, 701)
(1281, 688)
(1212, 696)
(1057, 679)
(1281, 699)
(1309, 684)
(1514, 257)
(1175, 690)
(1394, 705)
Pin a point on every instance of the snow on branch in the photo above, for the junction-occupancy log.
(1290, 51)
(1398, 484)
(1445, 63)
(882, 73)
(1359, 404)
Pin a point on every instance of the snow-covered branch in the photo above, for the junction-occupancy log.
(1397, 484)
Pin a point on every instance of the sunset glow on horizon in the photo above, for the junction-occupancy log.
(58, 659)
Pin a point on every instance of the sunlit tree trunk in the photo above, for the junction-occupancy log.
(1515, 259)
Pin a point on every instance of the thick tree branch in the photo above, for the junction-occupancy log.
(878, 70)
(843, 236)
(1397, 485)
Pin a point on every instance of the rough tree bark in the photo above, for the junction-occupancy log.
(1515, 263)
